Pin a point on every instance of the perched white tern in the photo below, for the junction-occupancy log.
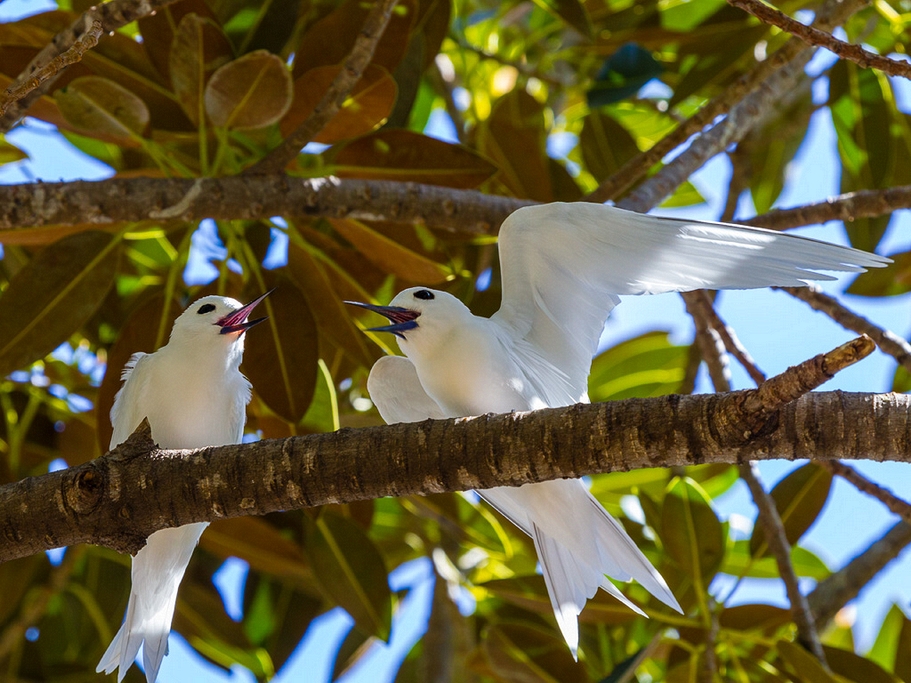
(563, 267)
(194, 395)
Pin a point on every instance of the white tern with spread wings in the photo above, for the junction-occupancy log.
(563, 267)
(193, 394)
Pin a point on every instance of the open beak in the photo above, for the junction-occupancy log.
(237, 321)
(402, 319)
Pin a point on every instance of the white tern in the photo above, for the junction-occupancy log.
(563, 267)
(194, 395)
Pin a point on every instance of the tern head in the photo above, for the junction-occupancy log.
(215, 321)
(420, 316)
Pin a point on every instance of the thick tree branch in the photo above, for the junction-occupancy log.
(110, 501)
(813, 36)
(112, 15)
(245, 198)
(352, 70)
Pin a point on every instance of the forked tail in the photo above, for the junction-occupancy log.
(157, 571)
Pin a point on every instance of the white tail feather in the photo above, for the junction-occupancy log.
(574, 564)
(157, 571)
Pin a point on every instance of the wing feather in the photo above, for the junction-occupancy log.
(564, 265)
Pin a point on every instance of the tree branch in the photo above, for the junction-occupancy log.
(352, 70)
(845, 207)
(812, 36)
(112, 15)
(107, 501)
(864, 485)
(887, 341)
(106, 202)
(771, 523)
(758, 85)
(844, 585)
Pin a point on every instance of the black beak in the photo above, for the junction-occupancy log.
(402, 319)
(237, 322)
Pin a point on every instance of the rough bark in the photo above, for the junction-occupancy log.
(119, 499)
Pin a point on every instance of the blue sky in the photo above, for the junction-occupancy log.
(777, 330)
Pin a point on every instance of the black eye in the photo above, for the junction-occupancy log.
(206, 308)
(425, 294)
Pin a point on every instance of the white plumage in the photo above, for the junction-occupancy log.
(563, 267)
(193, 394)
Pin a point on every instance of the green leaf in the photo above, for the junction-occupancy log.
(799, 497)
(253, 91)
(9, 153)
(802, 663)
(692, 534)
(641, 367)
(281, 354)
(350, 568)
(571, 11)
(739, 562)
(902, 667)
(892, 280)
(53, 295)
(100, 108)
(856, 668)
(754, 617)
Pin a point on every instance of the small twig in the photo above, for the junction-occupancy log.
(709, 341)
(887, 341)
(845, 207)
(112, 15)
(355, 63)
(861, 483)
(444, 88)
(813, 36)
(836, 591)
(781, 549)
(17, 91)
(710, 663)
(700, 302)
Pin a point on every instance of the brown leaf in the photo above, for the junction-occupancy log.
(331, 315)
(522, 653)
(281, 354)
(606, 145)
(100, 108)
(253, 91)
(199, 48)
(406, 156)
(329, 40)
(54, 295)
(157, 30)
(389, 255)
(513, 137)
(369, 104)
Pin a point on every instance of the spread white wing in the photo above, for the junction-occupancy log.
(563, 265)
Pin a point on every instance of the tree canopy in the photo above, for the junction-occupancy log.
(344, 150)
